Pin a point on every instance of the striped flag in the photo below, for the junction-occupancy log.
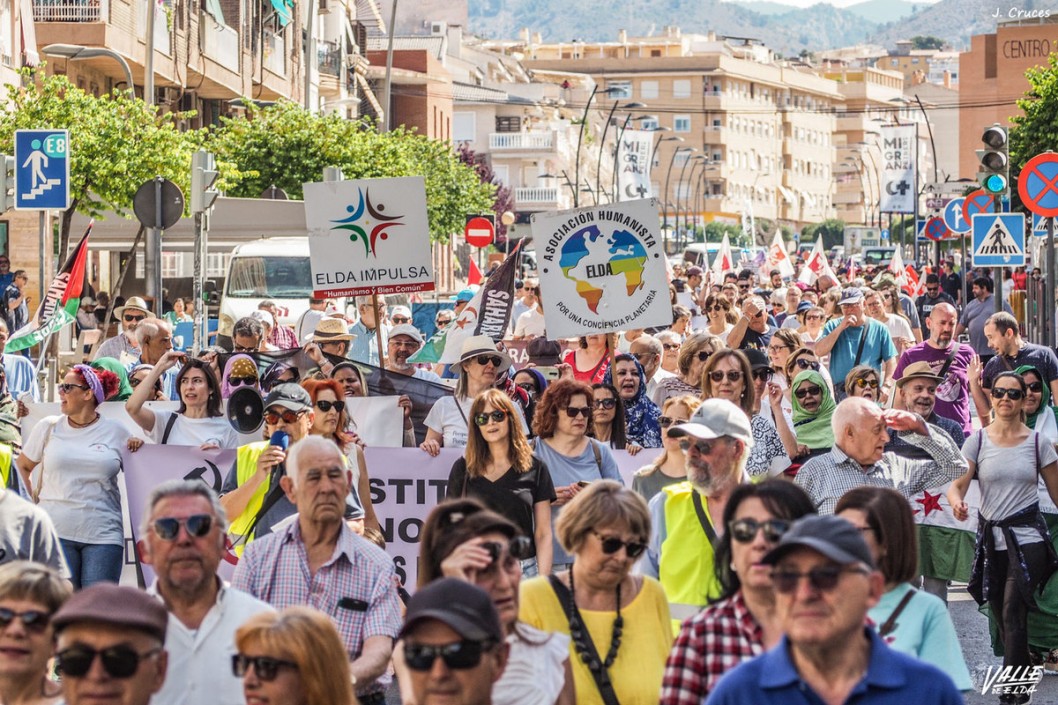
(945, 544)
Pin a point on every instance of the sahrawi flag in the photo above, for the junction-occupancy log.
(488, 313)
(61, 302)
(946, 545)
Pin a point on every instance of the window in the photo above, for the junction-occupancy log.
(681, 123)
(510, 123)
(619, 89)
(681, 88)
(648, 90)
(502, 173)
(217, 264)
(463, 126)
(650, 123)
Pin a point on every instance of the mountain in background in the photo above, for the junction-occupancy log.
(883, 11)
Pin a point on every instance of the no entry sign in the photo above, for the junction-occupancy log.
(479, 231)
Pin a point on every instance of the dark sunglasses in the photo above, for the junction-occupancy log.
(495, 360)
(197, 525)
(803, 392)
(326, 406)
(703, 447)
(864, 383)
(732, 375)
(814, 317)
(132, 319)
(745, 530)
(605, 403)
(612, 544)
(239, 381)
(400, 319)
(743, 287)
(35, 621)
(442, 321)
(666, 421)
(762, 373)
(458, 656)
(822, 578)
(703, 356)
(519, 548)
(1012, 394)
(66, 387)
(670, 346)
(497, 416)
(807, 364)
(1034, 386)
(528, 387)
(575, 411)
(266, 667)
(247, 349)
(717, 307)
(120, 661)
(288, 416)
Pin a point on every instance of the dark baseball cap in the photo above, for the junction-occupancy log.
(465, 608)
(289, 396)
(832, 536)
(117, 605)
(757, 358)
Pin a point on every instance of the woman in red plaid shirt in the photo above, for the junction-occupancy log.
(740, 624)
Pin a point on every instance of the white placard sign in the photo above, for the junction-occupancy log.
(379, 421)
(602, 269)
(368, 237)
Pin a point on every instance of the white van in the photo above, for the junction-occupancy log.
(276, 269)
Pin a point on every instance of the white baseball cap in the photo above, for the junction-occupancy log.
(716, 418)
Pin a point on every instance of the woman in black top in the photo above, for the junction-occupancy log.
(499, 469)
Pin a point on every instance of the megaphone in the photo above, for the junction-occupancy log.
(246, 410)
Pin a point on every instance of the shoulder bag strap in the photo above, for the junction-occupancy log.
(168, 428)
(947, 363)
(609, 697)
(1036, 439)
(707, 527)
(598, 455)
(863, 339)
(889, 625)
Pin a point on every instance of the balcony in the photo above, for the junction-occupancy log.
(70, 11)
(535, 195)
(714, 135)
(275, 51)
(162, 31)
(330, 58)
(220, 42)
(522, 141)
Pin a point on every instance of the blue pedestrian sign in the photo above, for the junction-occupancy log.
(1039, 225)
(953, 217)
(42, 170)
(999, 240)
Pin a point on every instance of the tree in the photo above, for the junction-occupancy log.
(285, 145)
(832, 230)
(926, 42)
(715, 231)
(504, 200)
(1035, 131)
(117, 142)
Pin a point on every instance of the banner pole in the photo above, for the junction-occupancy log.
(378, 331)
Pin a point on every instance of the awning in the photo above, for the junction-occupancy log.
(367, 13)
(284, 11)
(787, 195)
(370, 95)
(213, 8)
(30, 57)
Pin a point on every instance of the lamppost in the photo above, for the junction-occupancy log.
(691, 200)
(614, 196)
(565, 176)
(868, 197)
(668, 175)
(874, 166)
(602, 142)
(683, 170)
(580, 136)
(670, 138)
(76, 52)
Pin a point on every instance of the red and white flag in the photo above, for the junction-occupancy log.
(896, 266)
(778, 257)
(816, 265)
(725, 261)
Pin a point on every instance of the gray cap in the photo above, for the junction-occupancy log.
(408, 330)
(832, 536)
(850, 295)
(289, 396)
(716, 418)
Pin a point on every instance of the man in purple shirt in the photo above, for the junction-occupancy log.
(949, 359)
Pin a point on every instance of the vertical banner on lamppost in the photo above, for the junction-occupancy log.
(898, 168)
(633, 165)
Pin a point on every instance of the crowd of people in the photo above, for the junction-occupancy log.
(766, 544)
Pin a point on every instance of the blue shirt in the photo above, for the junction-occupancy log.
(20, 376)
(892, 678)
(364, 348)
(877, 348)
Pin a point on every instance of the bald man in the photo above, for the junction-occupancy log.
(948, 359)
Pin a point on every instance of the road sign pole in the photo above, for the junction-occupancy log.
(43, 271)
(154, 251)
(964, 268)
(200, 340)
(1049, 293)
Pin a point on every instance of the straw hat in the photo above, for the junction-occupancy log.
(133, 302)
(331, 329)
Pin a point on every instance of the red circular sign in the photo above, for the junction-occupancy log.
(479, 232)
(976, 203)
(1038, 184)
(935, 229)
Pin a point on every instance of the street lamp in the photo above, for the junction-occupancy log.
(860, 174)
(668, 175)
(580, 135)
(683, 170)
(654, 153)
(690, 202)
(76, 52)
(602, 142)
(565, 176)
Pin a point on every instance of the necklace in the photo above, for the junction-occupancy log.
(75, 424)
(582, 639)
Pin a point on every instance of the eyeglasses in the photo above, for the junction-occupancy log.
(1012, 394)
(822, 578)
(777, 348)
(1035, 387)
(574, 411)
(864, 383)
(250, 349)
(266, 667)
(887, 296)
(121, 661)
(132, 319)
(807, 364)
(458, 656)
(704, 355)
(717, 307)
(325, 405)
(272, 417)
(605, 403)
(743, 287)
(66, 387)
(529, 387)
(803, 392)
(933, 289)
(612, 544)
(732, 375)
(442, 321)
(762, 373)
(670, 346)
(745, 530)
(703, 447)
(239, 381)
(35, 621)
(168, 528)
(494, 360)
(814, 317)
(666, 421)
(496, 416)
(400, 319)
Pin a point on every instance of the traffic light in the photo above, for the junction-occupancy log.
(7, 183)
(994, 176)
(203, 178)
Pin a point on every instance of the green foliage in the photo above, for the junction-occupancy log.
(715, 231)
(287, 146)
(1035, 131)
(921, 43)
(832, 230)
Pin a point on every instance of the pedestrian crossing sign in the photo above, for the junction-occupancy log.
(1039, 225)
(999, 240)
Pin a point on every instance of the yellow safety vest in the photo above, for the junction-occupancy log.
(5, 464)
(685, 567)
(245, 467)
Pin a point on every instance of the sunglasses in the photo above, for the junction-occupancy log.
(326, 406)
(288, 416)
(717, 307)
(458, 656)
(442, 321)
(497, 416)
(745, 530)
(266, 667)
(670, 346)
(1012, 394)
(612, 544)
(822, 579)
(132, 319)
(528, 387)
(814, 317)
(239, 381)
(1035, 386)
(519, 548)
(803, 392)
(732, 375)
(494, 360)
(605, 403)
(400, 319)
(66, 387)
(120, 661)
(807, 364)
(743, 287)
(703, 356)
(197, 525)
(703, 447)
(249, 349)
(666, 421)
(763, 373)
(35, 621)
(574, 411)
(864, 383)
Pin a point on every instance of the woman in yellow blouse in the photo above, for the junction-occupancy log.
(619, 624)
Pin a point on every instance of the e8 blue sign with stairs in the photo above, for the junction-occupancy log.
(42, 170)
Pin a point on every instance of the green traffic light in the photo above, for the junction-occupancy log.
(994, 183)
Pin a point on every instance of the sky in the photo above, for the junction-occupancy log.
(808, 3)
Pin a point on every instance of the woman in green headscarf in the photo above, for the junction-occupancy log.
(124, 388)
(1040, 416)
(813, 405)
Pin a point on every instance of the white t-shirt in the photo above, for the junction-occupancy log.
(445, 418)
(194, 432)
(899, 327)
(530, 323)
(79, 490)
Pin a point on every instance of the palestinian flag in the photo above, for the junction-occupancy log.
(60, 304)
(488, 313)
